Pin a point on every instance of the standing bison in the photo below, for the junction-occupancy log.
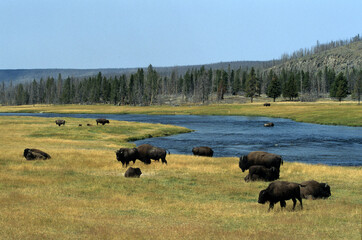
(203, 151)
(32, 154)
(266, 104)
(313, 189)
(133, 172)
(102, 121)
(146, 152)
(262, 173)
(280, 191)
(125, 155)
(260, 158)
(60, 122)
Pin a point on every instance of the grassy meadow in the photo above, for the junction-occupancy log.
(332, 113)
(81, 193)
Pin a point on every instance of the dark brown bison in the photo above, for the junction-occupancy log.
(133, 172)
(32, 154)
(269, 124)
(203, 151)
(60, 122)
(261, 173)
(260, 158)
(125, 155)
(89, 125)
(102, 121)
(313, 189)
(146, 152)
(80, 125)
(280, 191)
(267, 104)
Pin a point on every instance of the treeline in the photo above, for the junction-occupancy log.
(196, 85)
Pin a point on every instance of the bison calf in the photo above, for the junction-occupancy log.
(60, 122)
(313, 189)
(203, 151)
(280, 191)
(32, 154)
(133, 172)
(262, 173)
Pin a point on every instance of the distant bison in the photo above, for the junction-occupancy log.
(102, 121)
(280, 191)
(133, 172)
(269, 124)
(60, 122)
(89, 125)
(313, 189)
(261, 173)
(79, 125)
(146, 152)
(32, 154)
(260, 158)
(125, 155)
(267, 104)
(203, 151)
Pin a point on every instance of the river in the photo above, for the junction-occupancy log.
(233, 136)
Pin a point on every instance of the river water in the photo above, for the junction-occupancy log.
(237, 135)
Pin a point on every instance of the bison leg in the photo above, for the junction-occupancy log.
(294, 202)
(301, 204)
(164, 161)
(283, 204)
(271, 206)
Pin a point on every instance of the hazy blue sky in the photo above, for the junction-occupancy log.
(135, 33)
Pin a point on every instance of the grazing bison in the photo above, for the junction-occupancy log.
(32, 154)
(133, 172)
(146, 152)
(60, 122)
(269, 124)
(267, 104)
(262, 173)
(80, 125)
(280, 191)
(313, 189)
(260, 158)
(102, 121)
(203, 151)
(125, 155)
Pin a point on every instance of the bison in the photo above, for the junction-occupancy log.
(203, 151)
(102, 121)
(125, 155)
(146, 152)
(262, 173)
(32, 154)
(60, 122)
(260, 158)
(269, 124)
(266, 104)
(280, 191)
(133, 172)
(313, 189)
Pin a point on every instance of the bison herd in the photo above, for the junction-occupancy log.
(262, 166)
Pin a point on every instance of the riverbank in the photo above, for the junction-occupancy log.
(331, 113)
(81, 192)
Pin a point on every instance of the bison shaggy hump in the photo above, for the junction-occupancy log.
(32, 154)
(280, 191)
(313, 189)
(203, 151)
(133, 172)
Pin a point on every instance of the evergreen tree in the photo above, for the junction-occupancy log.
(357, 88)
(274, 89)
(251, 84)
(339, 88)
(236, 83)
(290, 89)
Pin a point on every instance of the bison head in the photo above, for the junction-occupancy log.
(325, 190)
(243, 163)
(263, 196)
(138, 171)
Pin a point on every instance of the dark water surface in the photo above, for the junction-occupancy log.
(237, 135)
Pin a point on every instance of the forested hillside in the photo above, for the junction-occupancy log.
(326, 70)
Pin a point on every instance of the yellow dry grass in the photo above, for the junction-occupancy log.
(80, 193)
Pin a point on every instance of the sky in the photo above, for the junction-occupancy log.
(84, 34)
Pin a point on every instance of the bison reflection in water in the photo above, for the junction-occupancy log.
(280, 191)
(203, 151)
(32, 154)
(313, 190)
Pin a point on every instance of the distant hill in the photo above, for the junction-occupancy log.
(338, 58)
